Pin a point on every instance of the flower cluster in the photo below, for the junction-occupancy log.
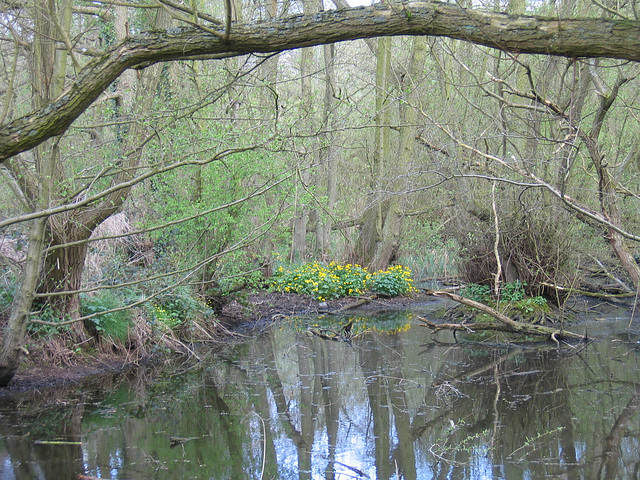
(325, 282)
(393, 281)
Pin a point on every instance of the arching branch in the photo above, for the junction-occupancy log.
(586, 37)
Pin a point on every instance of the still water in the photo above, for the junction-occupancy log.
(394, 402)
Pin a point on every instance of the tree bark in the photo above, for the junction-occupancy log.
(19, 318)
(329, 156)
(373, 218)
(570, 37)
(607, 185)
(302, 210)
(63, 267)
(395, 207)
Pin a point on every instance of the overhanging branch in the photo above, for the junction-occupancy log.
(570, 37)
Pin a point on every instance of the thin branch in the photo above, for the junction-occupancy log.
(568, 201)
(255, 193)
(93, 198)
(181, 18)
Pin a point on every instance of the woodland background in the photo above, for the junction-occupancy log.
(188, 180)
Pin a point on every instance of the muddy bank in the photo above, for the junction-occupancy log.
(261, 309)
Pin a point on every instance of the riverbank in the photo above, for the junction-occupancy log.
(245, 316)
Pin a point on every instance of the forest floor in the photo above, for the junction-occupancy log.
(246, 315)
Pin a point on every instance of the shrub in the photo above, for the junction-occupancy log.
(162, 318)
(321, 282)
(393, 281)
(171, 310)
(114, 324)
(532, 304)
(335, 280)
(512, 291)
(477, 292)
(47, 331)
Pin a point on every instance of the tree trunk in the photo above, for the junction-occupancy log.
(607, 185)
(48, 66)
(329, 156)
(393, 170)
(63, 266)
(16, 328)
(610, 207)
(373, 219)
(301, 213)
(63, 269)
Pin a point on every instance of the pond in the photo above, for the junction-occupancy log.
(395, 401)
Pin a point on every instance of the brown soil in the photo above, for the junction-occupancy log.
(240, 315)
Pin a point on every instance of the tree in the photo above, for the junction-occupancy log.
(380, 232)
(205, 37)
(569, 37)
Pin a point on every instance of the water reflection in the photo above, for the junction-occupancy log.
(383, 399)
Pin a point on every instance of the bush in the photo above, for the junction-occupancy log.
(114, 324)
(321, 282)
(171, 310)
(393, 281)
(512, 293)
(335, 280)
(47, 331)
(477, 293)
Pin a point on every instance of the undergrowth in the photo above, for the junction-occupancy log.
(512, 295)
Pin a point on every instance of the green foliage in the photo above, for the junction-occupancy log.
(163, 319)
(426, 251)
(217, 221)
(171, 310)
(7, 291)
(456, 441)
(113, 324)
(320, 281)
(512, 291)
(394, 281)
(335, 280)
(477, 292)
(532, 304)
(47, 315)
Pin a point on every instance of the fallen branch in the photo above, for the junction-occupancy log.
(577, 291)
(362, 301)
(465, 327)
(506, 324)
(55, 442)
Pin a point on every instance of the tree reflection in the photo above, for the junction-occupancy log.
(385, 405)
